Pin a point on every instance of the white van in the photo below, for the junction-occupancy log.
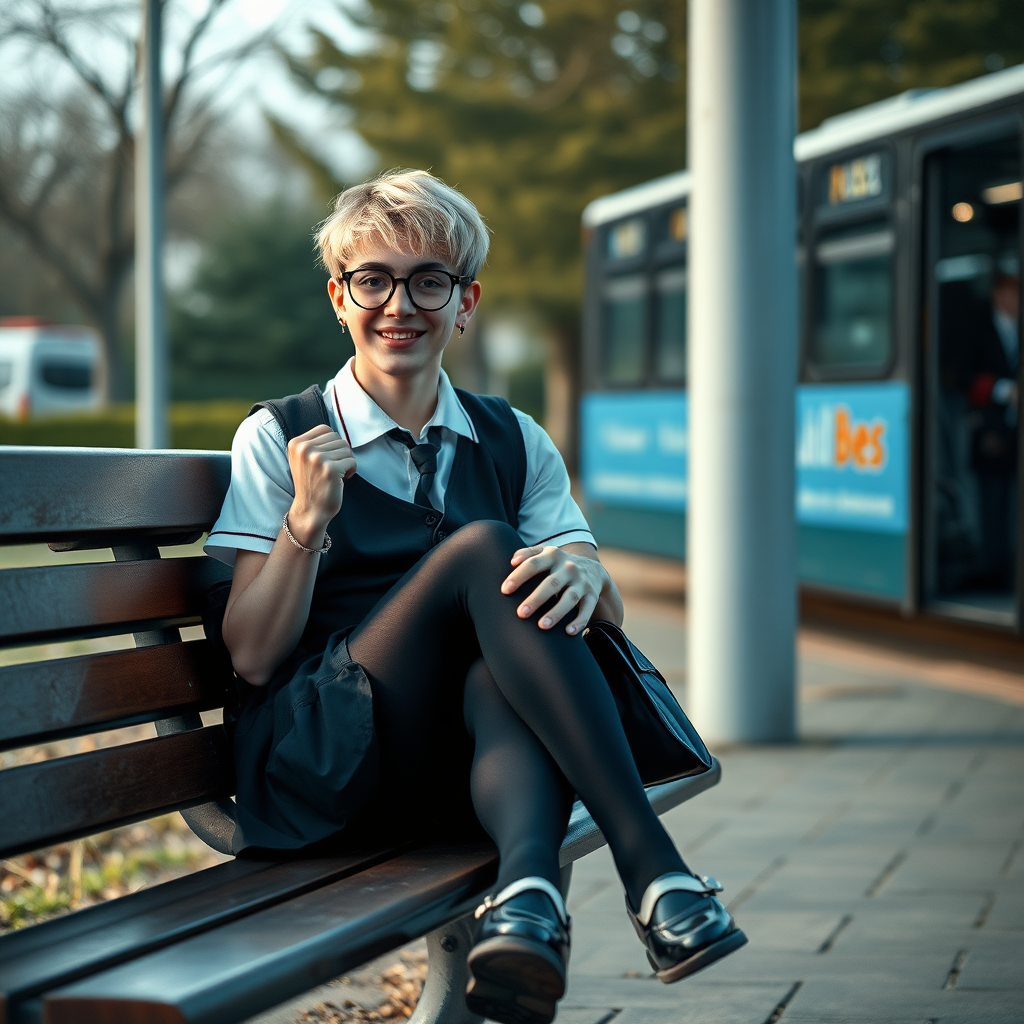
(47, 368)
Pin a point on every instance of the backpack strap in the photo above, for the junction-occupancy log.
(297, 413)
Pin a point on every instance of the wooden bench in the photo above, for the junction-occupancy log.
(229, 941)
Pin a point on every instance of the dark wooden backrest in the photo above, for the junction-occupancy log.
(130, 502)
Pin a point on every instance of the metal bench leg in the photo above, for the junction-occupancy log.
(444, 995)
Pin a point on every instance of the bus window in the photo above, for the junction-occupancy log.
(670, 340)
(70, 376)
(853, 321)
(625, 317)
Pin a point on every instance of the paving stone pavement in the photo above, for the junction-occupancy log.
(876, 866)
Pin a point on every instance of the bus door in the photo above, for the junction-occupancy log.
(971, 372)
(852, 439)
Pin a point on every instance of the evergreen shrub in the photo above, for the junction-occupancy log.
(206, 425)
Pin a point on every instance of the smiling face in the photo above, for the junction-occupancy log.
(399, 340)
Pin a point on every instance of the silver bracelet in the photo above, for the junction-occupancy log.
(302, 547)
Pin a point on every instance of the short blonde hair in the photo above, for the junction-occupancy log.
(404, 208)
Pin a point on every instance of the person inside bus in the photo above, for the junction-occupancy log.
(990, 381)
(429, 675)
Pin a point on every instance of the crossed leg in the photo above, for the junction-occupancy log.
(555, 729)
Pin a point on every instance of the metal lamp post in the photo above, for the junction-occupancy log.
(151, 357)
(742, 372)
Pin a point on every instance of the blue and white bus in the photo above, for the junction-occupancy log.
(908, 439)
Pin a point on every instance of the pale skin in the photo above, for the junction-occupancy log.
(397, 363)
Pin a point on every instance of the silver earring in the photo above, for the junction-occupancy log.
(344, 329)
(462, 328)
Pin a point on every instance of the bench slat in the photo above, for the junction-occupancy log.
(59, 952)
(51, 700)
(296, 945)
(233, 972)
(50, 494)
(79, 600)
(64, 947)
(230, 973)
(53, 801)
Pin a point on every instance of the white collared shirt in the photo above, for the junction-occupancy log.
(261, 488)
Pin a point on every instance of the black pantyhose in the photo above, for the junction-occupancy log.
(520, 796)
(417, 647)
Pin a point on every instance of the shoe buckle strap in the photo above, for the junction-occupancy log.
(703, 884)
(484, 907)
(521, 885)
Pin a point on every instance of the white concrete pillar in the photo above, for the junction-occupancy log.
(741, 545)
(151, 356)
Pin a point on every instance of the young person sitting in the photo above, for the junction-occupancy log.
(411, 581)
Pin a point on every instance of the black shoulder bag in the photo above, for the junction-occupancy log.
(664, 743)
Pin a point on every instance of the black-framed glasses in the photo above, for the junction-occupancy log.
(429, 290)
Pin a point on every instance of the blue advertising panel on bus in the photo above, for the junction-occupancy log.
(633, 448)
(852, 452)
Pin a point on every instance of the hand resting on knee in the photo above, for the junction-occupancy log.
(575, 576)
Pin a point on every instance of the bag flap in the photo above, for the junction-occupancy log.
(626, 648)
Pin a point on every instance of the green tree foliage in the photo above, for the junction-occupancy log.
(532, 111)
(535, 110)
(257, 323)
(854, 52)
(68, 120)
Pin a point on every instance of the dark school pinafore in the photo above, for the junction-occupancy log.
(304, 745)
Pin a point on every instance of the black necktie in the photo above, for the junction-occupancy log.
(424, 458)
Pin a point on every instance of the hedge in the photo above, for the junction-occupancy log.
(208, 425)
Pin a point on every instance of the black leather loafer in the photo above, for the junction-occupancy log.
(519, 962)
(683, 925)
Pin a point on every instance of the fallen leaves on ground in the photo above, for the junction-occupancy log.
(37, 886)
(399, 987)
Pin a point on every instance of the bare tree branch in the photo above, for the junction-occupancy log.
(185, 154)
(62, 167)
(234, 55)
(117, 104)
(84, 291)
(85, 172)
(187, 55)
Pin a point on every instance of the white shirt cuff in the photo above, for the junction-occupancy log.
(574, 536)
(225, 544)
